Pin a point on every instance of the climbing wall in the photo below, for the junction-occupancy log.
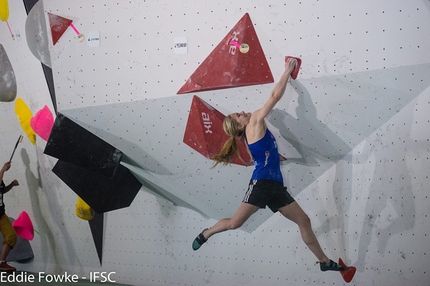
(353, 128)
(40, 193)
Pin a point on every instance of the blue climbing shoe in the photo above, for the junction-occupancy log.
(200, 239)
(331, 266)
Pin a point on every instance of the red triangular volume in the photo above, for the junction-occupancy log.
(58, 26)
(232, 63)
(348, 273)
(204, 132)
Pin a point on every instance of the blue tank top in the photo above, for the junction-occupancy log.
(266, 158)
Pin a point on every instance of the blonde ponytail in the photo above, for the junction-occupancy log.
(229, 149)
(227, 152)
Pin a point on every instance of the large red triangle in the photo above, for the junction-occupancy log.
(226, 66)
(58, 26)
(204, 132)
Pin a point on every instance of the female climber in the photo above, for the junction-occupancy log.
(266, 186)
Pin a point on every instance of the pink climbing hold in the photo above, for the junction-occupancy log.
(42, 123)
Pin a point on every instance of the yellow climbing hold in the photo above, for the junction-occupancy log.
(83, 210)
(4, 10)
(24, 115)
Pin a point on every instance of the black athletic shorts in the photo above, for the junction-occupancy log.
(267, 192)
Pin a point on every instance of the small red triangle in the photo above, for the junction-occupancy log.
(58, 26)
(226, 66)
(348, 273)
(204, 132)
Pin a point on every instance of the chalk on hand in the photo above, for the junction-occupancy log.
(296, 70)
